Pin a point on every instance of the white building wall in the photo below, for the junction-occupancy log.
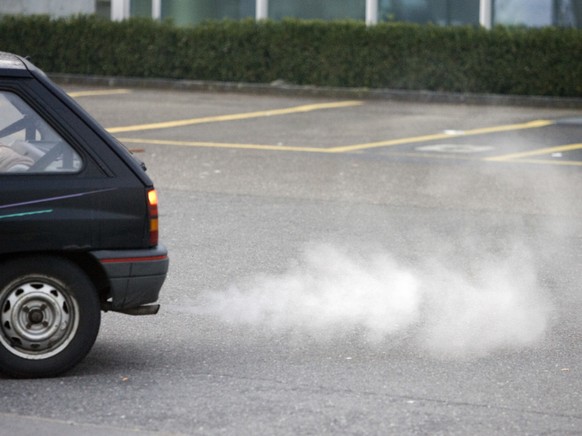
(54, 8)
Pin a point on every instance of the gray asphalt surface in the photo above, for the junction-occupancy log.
(423, 279)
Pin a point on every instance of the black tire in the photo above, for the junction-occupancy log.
(49, 316)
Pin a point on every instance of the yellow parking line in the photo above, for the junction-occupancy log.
(98, 92)
(342, 149)
(437, 136)
(389, 143)
(224, 145)
(332, 150)
(508, 127)
(234, 117)
(537, 152)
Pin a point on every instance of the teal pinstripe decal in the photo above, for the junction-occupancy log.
(17, 215)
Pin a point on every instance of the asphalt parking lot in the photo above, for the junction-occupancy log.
(343, 147)
(339, 267)
(467, 133)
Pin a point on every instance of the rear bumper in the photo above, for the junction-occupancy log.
(135, 276)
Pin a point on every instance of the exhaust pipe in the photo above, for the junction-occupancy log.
(148, 309)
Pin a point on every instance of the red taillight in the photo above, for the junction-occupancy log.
(153, 216)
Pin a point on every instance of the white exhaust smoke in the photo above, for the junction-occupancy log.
(333, 293)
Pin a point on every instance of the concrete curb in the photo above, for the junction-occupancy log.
(282, 88)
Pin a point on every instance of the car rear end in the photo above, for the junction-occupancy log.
(134, 271)
(80, 229)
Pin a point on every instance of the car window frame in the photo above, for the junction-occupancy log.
(16, 88)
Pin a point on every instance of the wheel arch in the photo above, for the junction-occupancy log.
(87, 263)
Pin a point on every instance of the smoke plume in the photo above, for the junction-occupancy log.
(333, 293)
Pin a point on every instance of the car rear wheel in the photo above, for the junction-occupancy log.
(49, 316)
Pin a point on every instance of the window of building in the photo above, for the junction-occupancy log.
(317, 9)
(538, 13)
(523, 12)
(140, 8)
(103, 8)
(568, 13)
(186, 12)
(443, 12)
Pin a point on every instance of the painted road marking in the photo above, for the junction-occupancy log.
(518, 157)
(235, 117)
(225, 145)
(98, 92)
(455, 148)
(347, 148)
(539, 151)
(445, 135)
(548, 162)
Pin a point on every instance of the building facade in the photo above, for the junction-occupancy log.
(487, 13)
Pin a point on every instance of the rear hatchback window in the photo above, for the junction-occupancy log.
(28, 144)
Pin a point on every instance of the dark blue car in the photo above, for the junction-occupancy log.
(78, 227)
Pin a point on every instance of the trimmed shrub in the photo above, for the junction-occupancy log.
(522, 61)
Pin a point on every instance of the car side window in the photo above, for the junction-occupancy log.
(28, 144)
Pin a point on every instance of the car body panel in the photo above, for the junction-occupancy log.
(99, 207)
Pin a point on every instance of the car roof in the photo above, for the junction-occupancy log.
(12, 65)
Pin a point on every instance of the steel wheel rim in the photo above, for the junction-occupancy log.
(38, 319)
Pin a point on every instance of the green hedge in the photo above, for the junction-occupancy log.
(546, 61)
